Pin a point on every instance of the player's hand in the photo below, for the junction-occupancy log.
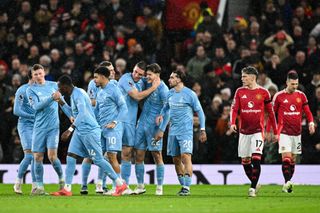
(111, 125)
(156, 83)
(203, 136)
(71, 119)
(158, 136)
(65, 135)
(159, 120)
(311, 128)
(233, 128)
(93, 102)
(56, 96)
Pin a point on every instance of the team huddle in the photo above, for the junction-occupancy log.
(104, 121)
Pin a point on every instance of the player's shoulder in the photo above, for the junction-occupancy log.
(163, 86)
(22, 88)
(91, 83)
(51, 83)
(299, 92)
(189, 92)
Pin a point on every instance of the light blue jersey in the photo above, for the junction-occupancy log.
(110, 107)
(85, 121)
(26, 113)
(126, 84)
(179, 110)
(22, 107)
(147, 127)
(181, 106)
(46, 109)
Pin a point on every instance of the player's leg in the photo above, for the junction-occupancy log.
(76, 149)
(157, 157)
(156, 150)
(244, 152)
(52, 145)
(257, 145)
(38, 149)
(85, 167)
(186, 149)
(127, 148)
(101, 181)
(139, 169)
(93, 146)
(25, 134)
(285, 149)
(140, 148)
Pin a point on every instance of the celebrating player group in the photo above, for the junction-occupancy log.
(104, 122)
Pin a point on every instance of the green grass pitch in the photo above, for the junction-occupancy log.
(204, 198)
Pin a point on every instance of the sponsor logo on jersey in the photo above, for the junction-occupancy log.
(250, 104)
(292, 107)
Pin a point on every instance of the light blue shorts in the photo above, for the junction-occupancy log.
(129, 132)
(111, 139)
(25, 133)
(179, 144)
(86, 145)
(43, 138)
(145, 138)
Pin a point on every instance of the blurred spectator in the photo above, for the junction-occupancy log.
(196, 64)
(278, 42)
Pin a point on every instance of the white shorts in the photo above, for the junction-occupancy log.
(249, 144)
(290, 143)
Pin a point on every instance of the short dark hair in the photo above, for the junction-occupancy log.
(180, 74)
(155, 68)
(250, 70)
(36, 67)
(105, 64)
(65, 80)
(292, 74)
(29, 74)
(102, 70)
(142, 65)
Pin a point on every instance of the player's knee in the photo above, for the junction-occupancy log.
(52, 158)
(286, 160)
(176, 160)
(87, 160)
(256, 159)
(38, 158)
(246, 161)
(157, 157)
(186, 158)
(28, 157)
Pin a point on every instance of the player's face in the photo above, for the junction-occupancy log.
(292, 85)
(247, 79)
(63, 89)
(151, 76)
(97, 79)
(112, 72)
(174, 80)
(38, 76)
(137, 74)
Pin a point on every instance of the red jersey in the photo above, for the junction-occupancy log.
(252, 103)
(289, 108)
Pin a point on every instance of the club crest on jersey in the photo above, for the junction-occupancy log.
(292, 107)
(258, 96)
(298, 100)
(250, 104)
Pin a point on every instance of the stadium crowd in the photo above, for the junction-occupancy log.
(73, 37)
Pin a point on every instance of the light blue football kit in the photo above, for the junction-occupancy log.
(126, 84)
(46, 124)
(180, 107)
(147, 129)
(25, 128)
(85, 141)
(179, 110)
(110, 107)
